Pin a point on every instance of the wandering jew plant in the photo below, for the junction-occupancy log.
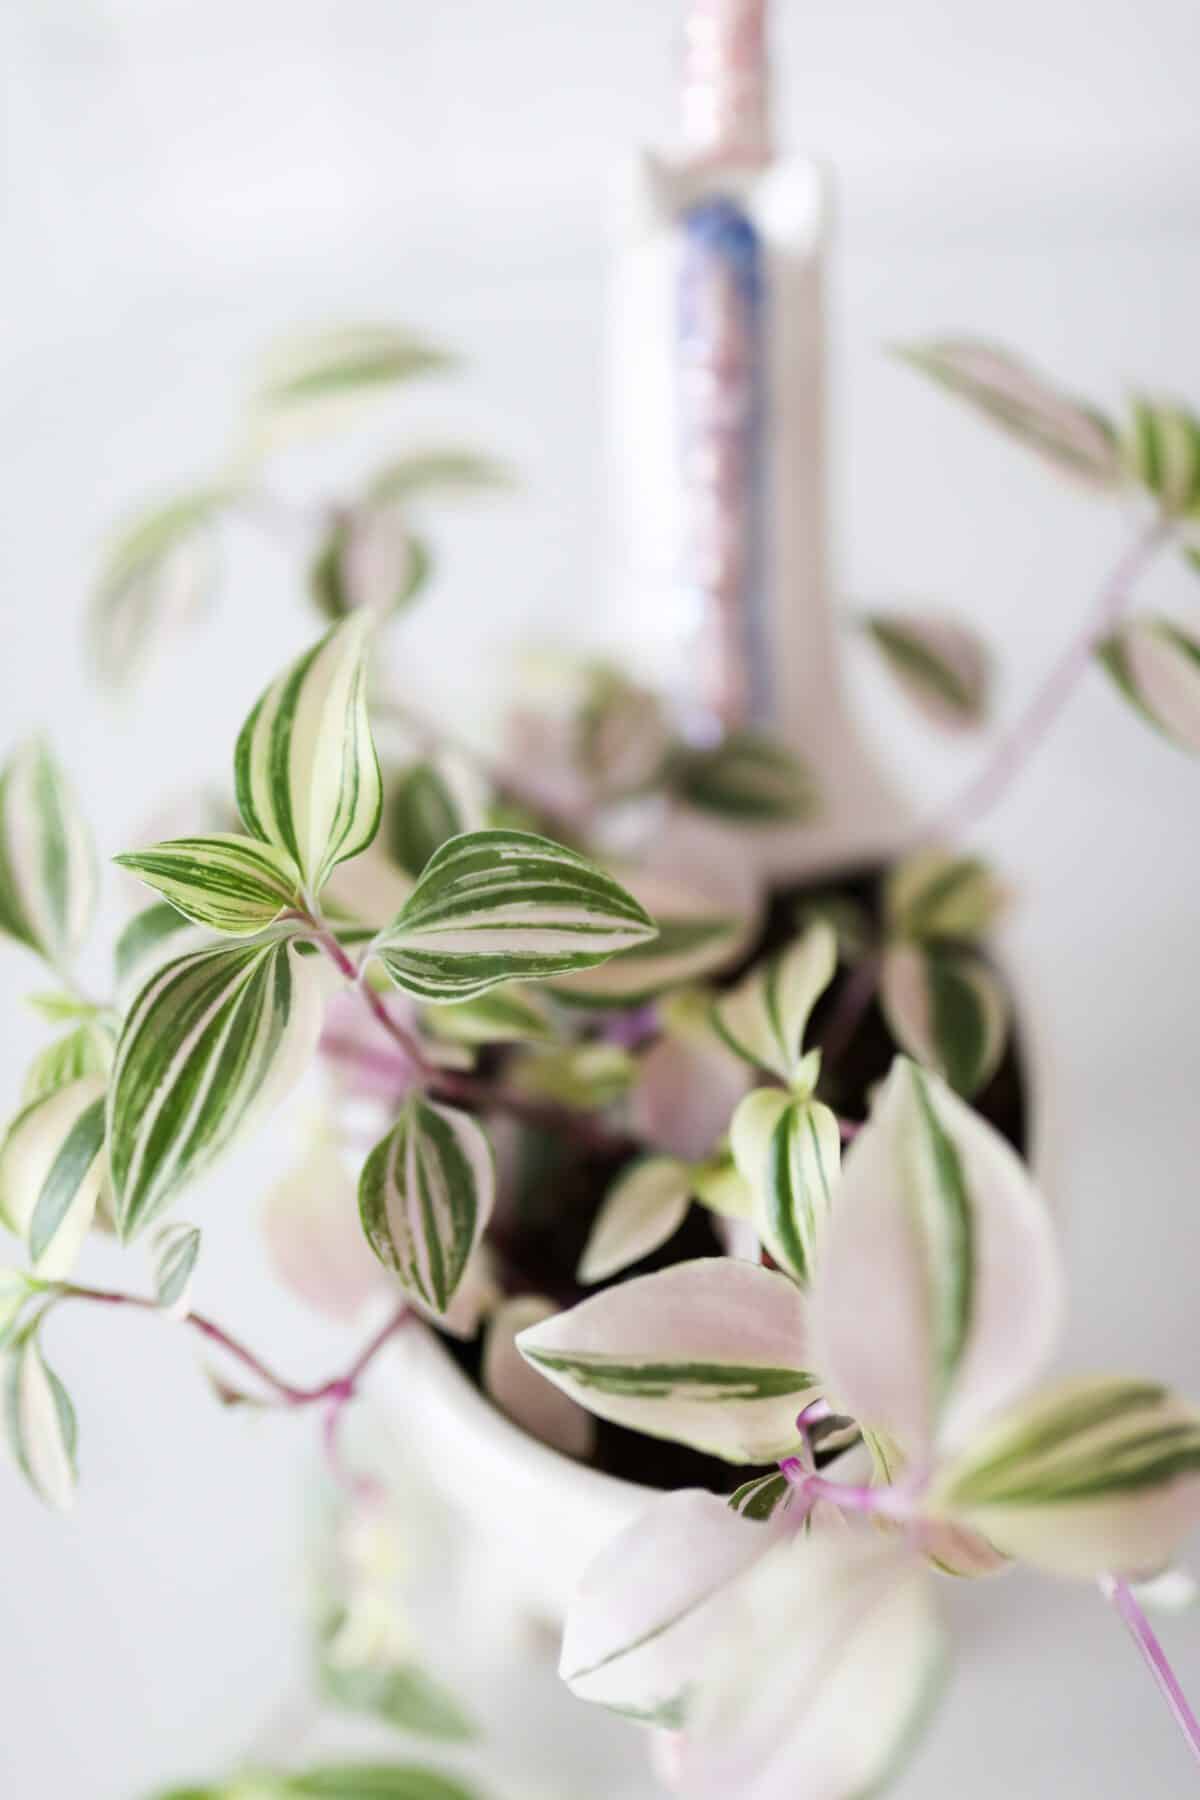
(671, 1156)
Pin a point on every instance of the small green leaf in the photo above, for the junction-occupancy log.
(88, 1050)
(508, 1015)
(585, 1076)
(406, 1697)
(377, 1781)
(156, 575)
(496, 906)
(40, 1423)
(212, 1040)
(306, 372)
(306, 771)
(425, 1194)
(765, 1017)
(58, 1008)
(788, 1152)
(947, 1009)
(940, 665)
(433, 801)
(47, 864)
(226, 882)
(176, 1250)
(439, 472)
(1075, 439)
(1156, 666)
(940, 894)
(748, 778)
(762, 1498)
(370, 561)
(52, 1172)
(1161, 450)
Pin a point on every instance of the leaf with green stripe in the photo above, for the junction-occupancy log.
(712, 1353)
(226, 882)
(40, 1423)
(940, 665)
(947, 1009)
(47, 863)
(942, 894)
(1161, 450)
(376, 1781)
(1072, 437)
(371, 562)
(761, 1498)
(648, 1615)
(508, 1015)
(176, 1251)
(696, 938)
(496, 906)
(765, 1017)
(937, 1297)
(305, 767)
(88, 1050)
(1087, 1477)
(749, 779)
(439, 472)
(52, 1171)
(425, 1194)
(789, 1153)
(1155, 665)
(210, 1042)
(433, 801)
(157, 574)
(316, 377)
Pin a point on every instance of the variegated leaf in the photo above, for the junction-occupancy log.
(940, 665)
(210, 1042)
(52, 1170)
(508, 1015)
(496, 906)
(762, 1497)
(1087, 1477)
(829, 1661)
(645, 1207)
(305, 767)
(226, 882)
(1161, 450)
(750, 779)
(764, 1018)
(518, 1390)
(157, 935)
(788, 1151)
(47, 864)
(88, 1050)
(947, 1009)
(433, 801)
(176, 1250)
(157, 574)
(696, 938)
(712, 1353)
(938, 1296)
(647, 1617)
(1074, 438)
(370, 562)
(40, 1423)
(425, 1194)
(316, 377)
(439, 472)
(586, 1076)
(941, 894)
(1156, 666)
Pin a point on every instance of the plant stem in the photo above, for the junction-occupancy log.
(1125, 1602)
(353, 972)
(1032, 726)
(852, 1003)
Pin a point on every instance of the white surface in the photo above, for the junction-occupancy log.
(184, 180)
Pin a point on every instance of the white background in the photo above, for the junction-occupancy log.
(185, 180)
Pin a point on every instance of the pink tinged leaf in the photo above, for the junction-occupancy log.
(829, 1659)
(641, 1211)
(941, 666)
(313, 1238)
(947, 1010)
(1163, 668)
(712, 1353)
(520, 1392)
(686, 1090)
(938, 1297)
(651, 1610)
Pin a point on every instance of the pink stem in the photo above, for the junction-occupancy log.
(851, 1006)
(882, 1502)
(1018, 744)
(346, 966)
(1123, 1599)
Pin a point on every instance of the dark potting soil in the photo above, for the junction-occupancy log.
(561, 1186)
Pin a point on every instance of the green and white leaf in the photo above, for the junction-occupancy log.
(210, 1043)
(47, 863)
(371, 562)
(513, 1385)
(712, 1353)
(53, 1168)
(1089, 1477)
(947, 1009)
(645, 1207)
(156, 576)
(88, 1050)
(765, 1017)
(507, 1015)
(940, 665)
(305, 767)
(1156, 666)
(696, 938)
(318, 379)
(176, 1250)
(938, 1296)
(375, 1781)
(1161, 450)
(157, 935)
(788, 1151)
(1072, 437)
(587, 1076)
(226, 882)
(761, 1498)
(425, 1194)
(750, 779)
(495, 906)
(433, 801)
(404, 1696)
(440, 472)
(939, 894)
(40, 1423)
